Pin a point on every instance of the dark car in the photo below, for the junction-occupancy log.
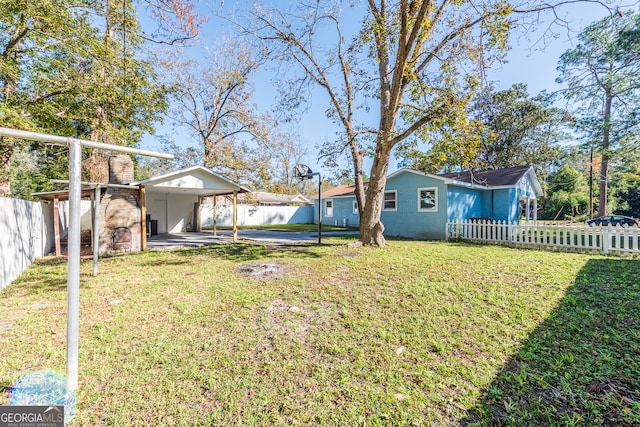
(613, 220)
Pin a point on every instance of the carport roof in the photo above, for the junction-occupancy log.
(196, 180)
(62, 195)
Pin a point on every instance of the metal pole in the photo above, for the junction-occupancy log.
(96, 230)
(73, 274)
(65, 141)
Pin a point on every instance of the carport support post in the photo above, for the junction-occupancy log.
(235, 216)
(215, 233)
(143, 219)
(73, 274)
(96, 229)
(56, 224)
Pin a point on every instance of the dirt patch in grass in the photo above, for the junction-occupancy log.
(283, 319)
(263, 270)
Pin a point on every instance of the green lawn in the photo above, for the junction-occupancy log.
(418, 333)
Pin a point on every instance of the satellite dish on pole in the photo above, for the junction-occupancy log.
(302, 172)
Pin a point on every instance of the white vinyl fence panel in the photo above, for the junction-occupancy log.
(86, 215)
(256, 215)
(620, 240)
(26, 233)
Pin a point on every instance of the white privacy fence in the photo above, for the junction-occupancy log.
(256, 215)
(26, 233)
(620, 240)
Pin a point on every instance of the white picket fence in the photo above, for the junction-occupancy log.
(619, 240)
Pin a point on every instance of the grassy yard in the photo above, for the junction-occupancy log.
(418, 333)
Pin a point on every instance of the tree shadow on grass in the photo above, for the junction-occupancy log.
(38, 280)
(252, 251)
(582, 365)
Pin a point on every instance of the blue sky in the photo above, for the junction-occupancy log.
(530, 61)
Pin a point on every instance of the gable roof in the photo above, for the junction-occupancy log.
(498, 178)
(485, 179)
(194, 180)
(492, 178)
(344, 190)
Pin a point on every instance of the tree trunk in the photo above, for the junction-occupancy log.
(371, 227)
(9, 90)
(96, 167)
(602, 199)
(357, 158)
(6, 151)
(604, 166)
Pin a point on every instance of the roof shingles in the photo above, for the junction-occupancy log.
(490, 178)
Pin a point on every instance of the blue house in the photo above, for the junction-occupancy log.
(418, 204)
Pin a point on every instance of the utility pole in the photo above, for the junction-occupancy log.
(591, 183)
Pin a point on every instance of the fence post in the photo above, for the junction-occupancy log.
(606, 239)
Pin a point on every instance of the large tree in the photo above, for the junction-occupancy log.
(568, 195)
(510, 129)
(602, 74)
(418, 62)
(212, 98)
(283, 149)
(41, 45)
(76, 67)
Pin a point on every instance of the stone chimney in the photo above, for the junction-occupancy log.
(120, 169)
(120, 210)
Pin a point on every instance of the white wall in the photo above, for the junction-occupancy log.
(179, 211)
(26, 230)
(257, 215)
(172, 211)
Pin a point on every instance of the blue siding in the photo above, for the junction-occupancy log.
(464, 203)
(506, 205)
(487, 204)
(342, 210)
(453, 202)
(407, 221)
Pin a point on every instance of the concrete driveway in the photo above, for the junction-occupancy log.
(273, 236)
(193, 239)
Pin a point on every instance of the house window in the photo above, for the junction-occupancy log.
(328, 208)
(390, 198)
(355, 207)
(428, 199)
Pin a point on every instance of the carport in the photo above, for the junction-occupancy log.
(171, 202)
